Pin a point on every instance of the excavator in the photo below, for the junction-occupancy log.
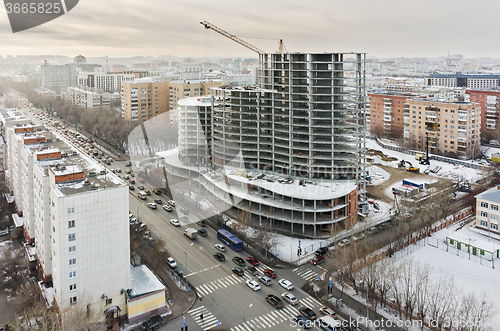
(411, 168)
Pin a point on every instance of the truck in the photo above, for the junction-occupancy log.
(191, 233)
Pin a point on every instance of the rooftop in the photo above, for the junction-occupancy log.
(144, 281)
(493, 195)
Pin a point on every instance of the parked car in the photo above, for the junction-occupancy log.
(307, 312)
(158, 201)
(253, 285)
(167, 208)
(220, 257)
(344, 242)
(328, 312)
(175, 222)
(202, 232)
(290, 298)
(286, 284)
(269, 273)
(318, 259)
(220, 247)
(252, 270)
(253, 261)
(152, 205)
(359, 236)
(238, 271)
(152, 323)
(239, 261)
(274, 300)
(321, 251)
(172, 263)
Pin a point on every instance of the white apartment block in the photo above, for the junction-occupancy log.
(104, 81)
(57, 77)
(76, 214)
(88, 98)
(10, 118)
(487, 214)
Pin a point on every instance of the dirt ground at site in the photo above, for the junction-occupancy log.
(397, 175)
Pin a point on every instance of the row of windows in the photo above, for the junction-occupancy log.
(492, 225)
(485, 205)
(492, 216)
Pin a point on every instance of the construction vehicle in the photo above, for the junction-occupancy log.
(411, 168)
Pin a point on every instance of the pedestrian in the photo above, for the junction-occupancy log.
(201, 317)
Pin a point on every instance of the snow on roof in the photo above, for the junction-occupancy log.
(18, 220)
(9, 198)
(493, 195)
(144, 281)
(48, 293)
(421, 181)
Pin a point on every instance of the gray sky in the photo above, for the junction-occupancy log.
(381, 28)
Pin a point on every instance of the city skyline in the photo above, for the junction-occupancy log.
(383, 28)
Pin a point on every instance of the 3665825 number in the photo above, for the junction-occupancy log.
(33, 8)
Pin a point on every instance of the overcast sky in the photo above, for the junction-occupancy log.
(384, 28)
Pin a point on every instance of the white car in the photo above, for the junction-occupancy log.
(172, 263)
(171, 202)
(286, 284)
(290, 298)
(130, 216)
(344, 242)
(175, 222)
(253, 285)
(220, 247)
(152, 205)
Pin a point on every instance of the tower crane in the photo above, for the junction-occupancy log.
(240, 41)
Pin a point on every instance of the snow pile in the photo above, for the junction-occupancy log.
(378, 175)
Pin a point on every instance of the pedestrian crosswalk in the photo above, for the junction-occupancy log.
(277, 316)
(220, 283)
(305, 273)
(208, 321)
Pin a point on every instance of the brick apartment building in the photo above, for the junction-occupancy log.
(489, 100)
(387, 113)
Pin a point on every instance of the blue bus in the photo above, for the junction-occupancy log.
(230, 240)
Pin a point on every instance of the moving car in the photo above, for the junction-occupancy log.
(274, 300)
(265, 280)
(252, 270)
(118, 170)
(158, 201)
(220, 257)
(302, 322)
(290, 298)
(253, 261)
(152, 323)
(128, 164)
(328, 312)
(270, 273)
(172, 263)
(175, 222)
(128, 171)
(201, 223)
(171, 203)
(239, 261)
(220, 247)
(157, 191)
(131, 187)
(140, 187)
(253, 285)
(167, 208)
(152, 205)
(286, 284)
(318, 259)
(238, 271)
(202, 232)
(132, 181)
(307, 312)
(184, 210)
(148, 192)
(321, 251)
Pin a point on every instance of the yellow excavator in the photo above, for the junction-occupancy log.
(411, 168)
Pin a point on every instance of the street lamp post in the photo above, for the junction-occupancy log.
(244, 320)
(185, 252)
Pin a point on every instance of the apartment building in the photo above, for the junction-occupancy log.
(180, 89)
(489, 100)
(103, 81)
(387, 111)
(487, 214)
(452, 127)
(75, 215)
(290, 152)
(88, 98)
(144, 99)
(9, 118)
(458, 79)
(57, 77)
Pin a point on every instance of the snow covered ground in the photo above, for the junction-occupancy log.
(378, 175)
(448, 170)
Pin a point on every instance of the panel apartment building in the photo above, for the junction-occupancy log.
(489, 100)
(471, 81)
(75, 215)
(453, 127)
(387, 113)
(57, 77)
(88, 98)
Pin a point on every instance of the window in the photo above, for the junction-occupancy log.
(109, 301)
(71, 210)
(484, 223)
(53, 229)
(72, 300)
(494, 217)
(484, 214)
(72, 249)
(71, 224)
(71, 237)
(72, 261)
(484, 205)
(72, 287)
(494, 226)
(494, 207)
(72, 274)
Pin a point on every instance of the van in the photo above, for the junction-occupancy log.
(142, 195)
(330, 324)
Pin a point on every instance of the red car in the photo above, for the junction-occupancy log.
(253, 261)
(269, 273)
(318, 259)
